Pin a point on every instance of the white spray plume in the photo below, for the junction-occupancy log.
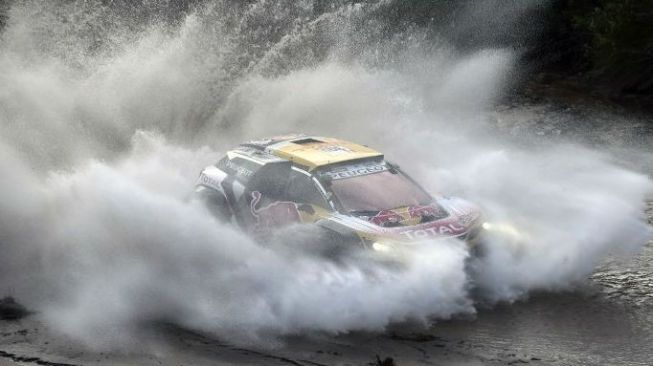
(101, 145)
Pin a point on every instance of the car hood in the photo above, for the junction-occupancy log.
(446, 217)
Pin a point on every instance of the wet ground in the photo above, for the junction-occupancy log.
(607, 322)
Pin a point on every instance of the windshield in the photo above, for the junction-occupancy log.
(379, 191)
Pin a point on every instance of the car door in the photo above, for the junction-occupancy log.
(303, 191)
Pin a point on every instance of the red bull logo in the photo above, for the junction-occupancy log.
(386, 218)
(422, 211)
(392, 217)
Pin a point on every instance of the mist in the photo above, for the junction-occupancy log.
(106, 118)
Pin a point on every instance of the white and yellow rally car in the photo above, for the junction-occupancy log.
(348, 190)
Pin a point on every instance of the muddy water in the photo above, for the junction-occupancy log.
(607, 321)
(610, 321)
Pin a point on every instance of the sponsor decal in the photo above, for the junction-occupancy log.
(386, 218)
(239, 170)
(275, 214)
(208, 181)
(411, 214)
(355, 170)
(437, 229)
(424, 211)
(334, 149)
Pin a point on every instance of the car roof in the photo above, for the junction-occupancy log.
(313, 152)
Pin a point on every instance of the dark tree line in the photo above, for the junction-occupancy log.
(607, 42)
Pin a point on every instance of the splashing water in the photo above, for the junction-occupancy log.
(107, 114)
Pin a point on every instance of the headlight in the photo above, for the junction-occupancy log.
(505, 229)
(382, 247)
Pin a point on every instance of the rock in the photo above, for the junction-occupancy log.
(11, 310)
(388, 361)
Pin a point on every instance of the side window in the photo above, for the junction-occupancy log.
(271, 180)
(302, 189)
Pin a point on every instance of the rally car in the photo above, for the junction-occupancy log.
(348, 190)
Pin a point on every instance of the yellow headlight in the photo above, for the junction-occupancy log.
(505, 229)
(381, 247)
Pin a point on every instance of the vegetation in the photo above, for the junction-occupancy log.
(615, 40)
(11, 310)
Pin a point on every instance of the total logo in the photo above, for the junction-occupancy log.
(443, 229)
